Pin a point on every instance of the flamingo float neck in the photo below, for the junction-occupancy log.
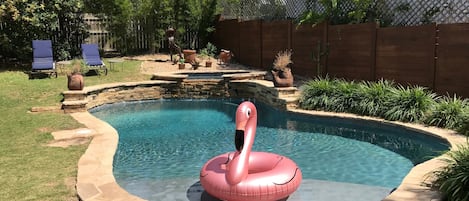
(246, 123)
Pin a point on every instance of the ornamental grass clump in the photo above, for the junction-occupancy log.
(338, 95)
(346, 96)
(448, 112)
(409, 104)
(282, 60)
(318, 94)
(374, 97)
(463, 128)
(452, 180)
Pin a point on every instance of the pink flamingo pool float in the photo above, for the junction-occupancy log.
(245, 175)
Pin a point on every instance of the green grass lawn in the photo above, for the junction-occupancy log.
(29, 169)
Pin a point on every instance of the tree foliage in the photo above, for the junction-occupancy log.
(342, 11)
(194, 17)
(26, 20)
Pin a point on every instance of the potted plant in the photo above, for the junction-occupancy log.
(75, 79)
(195, 64)
(281, 71)
(204, 56)
(208, 53)
(189, 55)
(181, 63)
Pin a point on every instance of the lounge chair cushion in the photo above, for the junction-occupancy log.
(43, 58)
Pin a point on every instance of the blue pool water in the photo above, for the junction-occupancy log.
(172, 139)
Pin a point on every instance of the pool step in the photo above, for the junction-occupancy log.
(287, 92)
(74, 95)
(71, 106)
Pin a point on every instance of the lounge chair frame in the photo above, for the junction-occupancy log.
(43, 59)
(92, 59)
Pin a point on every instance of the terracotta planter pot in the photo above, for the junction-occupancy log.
(75, 81)
(182, 66)
(189, 56)
(282, 78)
(208, 64)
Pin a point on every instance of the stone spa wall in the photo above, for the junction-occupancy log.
(180, 87)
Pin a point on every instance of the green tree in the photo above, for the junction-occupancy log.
(23, 21)
(203, 19)
(340, 11)
(118, 15)
(154, 16)
(180, 21)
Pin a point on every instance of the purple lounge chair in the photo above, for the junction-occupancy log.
(43, 58)
(92, 58)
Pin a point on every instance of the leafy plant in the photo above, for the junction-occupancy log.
(317, 94)
(448, 112)
(453, 179)
(463, 128)
(23, 21)
(331, 11)
(409, 104)
(375, 95)
(210, 50)
(336, 12)
(282, 60)
(327, 94)
(360, 13)
(181, 60)
(202, 14)
(429, 14)
(346, 96)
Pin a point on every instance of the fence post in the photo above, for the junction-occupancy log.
(374, 38)
(325, 45)
(437, 37)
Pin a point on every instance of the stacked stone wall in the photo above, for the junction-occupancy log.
(260, 90)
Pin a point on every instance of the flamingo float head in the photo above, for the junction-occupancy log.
(246, 122)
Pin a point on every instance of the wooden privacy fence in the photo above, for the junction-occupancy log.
(136, 41)
(434, 56)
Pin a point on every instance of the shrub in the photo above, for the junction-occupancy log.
(453, 179)
(409, 104)
(336, 95)
(463, 128)
(375, 95)
(210, 50)
(317, 94)
(448, 112)
(346, 96)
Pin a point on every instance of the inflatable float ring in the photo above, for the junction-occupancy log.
(244, 175)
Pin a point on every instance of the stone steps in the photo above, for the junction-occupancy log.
(71, 106)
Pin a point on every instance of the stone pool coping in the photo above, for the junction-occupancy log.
(229, 74)
(95, 179)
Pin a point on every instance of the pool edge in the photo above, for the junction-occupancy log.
(95, 179)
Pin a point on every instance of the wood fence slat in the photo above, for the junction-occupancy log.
(277, 40)
(307, 40)
(406, 54)
(250, 43)
(452, 71)
(227, 36)
(351, 50)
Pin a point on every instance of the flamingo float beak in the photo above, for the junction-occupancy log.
(239, 140)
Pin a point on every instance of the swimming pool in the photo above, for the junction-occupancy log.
(171, 140)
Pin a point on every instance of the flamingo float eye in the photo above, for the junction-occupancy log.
(248, 112)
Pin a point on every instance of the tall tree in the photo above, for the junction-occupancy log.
(203, 18)
(154, 16)
(23, 21)
(180, 20)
